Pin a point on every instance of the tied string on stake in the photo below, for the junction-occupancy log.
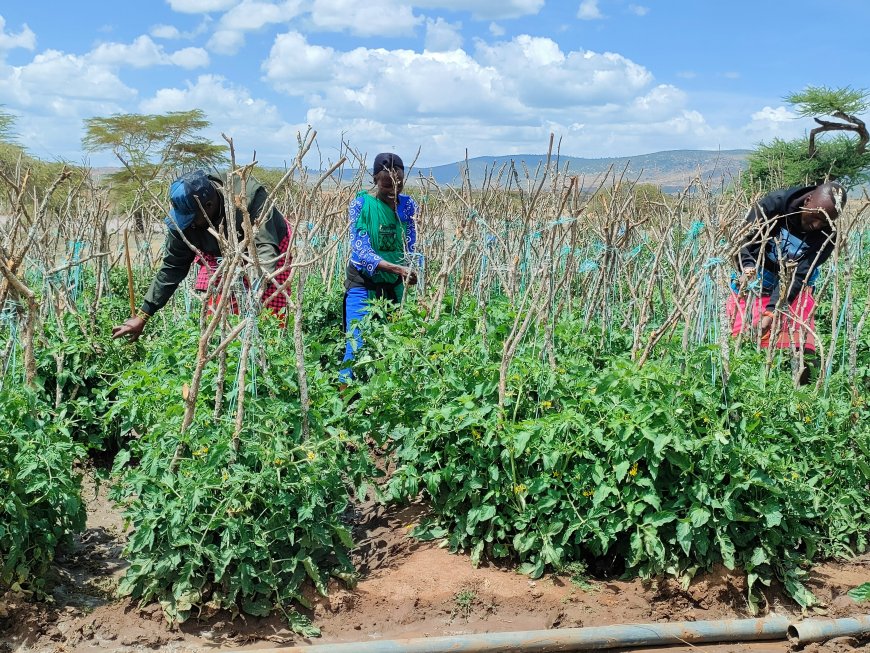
(9, 317)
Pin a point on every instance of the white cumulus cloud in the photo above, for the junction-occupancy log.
(200, 6)
(486, 9)
(770, 114)
(589, 10)
(145, 53)
(25, 38)
(638, 10)
(250, 15)
(253, 123)
(369, 18)
(772, 122)
(190, 58)
(226, 41)
(441, 35)
(502, 97)
(168, 32)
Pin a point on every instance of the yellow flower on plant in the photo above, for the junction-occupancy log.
(311, 455)
(808, 419)
(633, 470)
(225, 475)
(279, 462)
(794, 476)
(588, 493)
(519, 489)
(475, 433)
(546, 404)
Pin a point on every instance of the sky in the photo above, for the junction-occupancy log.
(445, 77)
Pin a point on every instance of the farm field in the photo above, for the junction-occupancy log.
(553, 429)
(408, 589)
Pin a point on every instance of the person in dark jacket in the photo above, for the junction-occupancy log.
(792, 234)
(196, 204)
(382, 235)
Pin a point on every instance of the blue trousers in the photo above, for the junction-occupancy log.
(356, 307)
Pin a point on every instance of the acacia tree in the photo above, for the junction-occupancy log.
(151, 148)
(7, 120)
(28, 174)
(812, 159)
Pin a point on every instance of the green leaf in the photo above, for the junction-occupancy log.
(726, 548)
(343, 535)
(699, 516)
(314, 574)
(521, 439)
(301, 625)
(660, 518)
(535, 569)
(860, 593)
(620, 470)
(772, 515)
(759, 557)
(479, 514)
(429, 531)
(684, 536)
(259, 607)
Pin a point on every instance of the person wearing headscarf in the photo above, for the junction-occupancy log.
(382, 235)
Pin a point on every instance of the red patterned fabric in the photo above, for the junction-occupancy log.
(797, 327)
(208, 263)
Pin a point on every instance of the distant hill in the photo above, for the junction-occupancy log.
(672, 170)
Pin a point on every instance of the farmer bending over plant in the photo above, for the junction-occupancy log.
(382, 234)
(197, 204)
(793, 233)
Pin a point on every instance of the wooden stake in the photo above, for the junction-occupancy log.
(129, 274)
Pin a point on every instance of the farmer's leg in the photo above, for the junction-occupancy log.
(812, 364)
(355, 309)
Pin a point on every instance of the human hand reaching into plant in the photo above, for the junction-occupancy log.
(407, 275)
(746, 278)
(766, 322)
(132, 328)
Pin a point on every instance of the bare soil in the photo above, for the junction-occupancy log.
(408, 589)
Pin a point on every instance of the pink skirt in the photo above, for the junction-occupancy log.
(796, 328)
(208, 263)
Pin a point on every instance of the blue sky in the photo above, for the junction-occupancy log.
(610, 77)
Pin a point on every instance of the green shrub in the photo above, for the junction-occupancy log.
(40, 491)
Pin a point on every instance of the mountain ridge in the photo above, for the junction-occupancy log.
(670, 169)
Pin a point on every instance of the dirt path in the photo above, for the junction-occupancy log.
(408, 589)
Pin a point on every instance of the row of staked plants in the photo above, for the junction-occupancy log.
(246, 530)
(641, 471)
(586, 455)
(648, 471)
